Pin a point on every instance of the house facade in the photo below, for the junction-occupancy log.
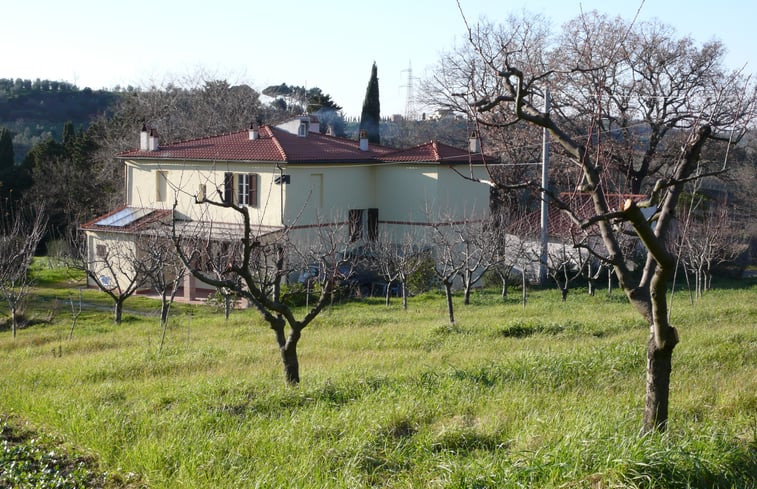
(292, 176)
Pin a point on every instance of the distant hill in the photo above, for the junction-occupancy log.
(37, 110)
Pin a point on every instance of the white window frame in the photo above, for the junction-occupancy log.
(243, 188)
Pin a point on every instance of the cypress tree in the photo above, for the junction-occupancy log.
(68, 134)
(370, 117)
(7, 155)
(14, 180)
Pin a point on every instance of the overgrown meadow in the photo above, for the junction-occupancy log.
(550, 395)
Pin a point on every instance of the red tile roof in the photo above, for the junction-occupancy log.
(434, 151)
(278, 145)
(582, 205)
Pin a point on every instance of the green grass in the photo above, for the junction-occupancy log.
(546, 396)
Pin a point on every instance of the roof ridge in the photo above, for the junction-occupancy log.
(405, 150)
(435, 148)
(182, 141)
(440, 143)
(276, 142)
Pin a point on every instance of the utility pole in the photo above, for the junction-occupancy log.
(544, 199)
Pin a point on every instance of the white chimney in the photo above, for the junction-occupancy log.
(143, 139)
(330, 130)
(152, 141)
(363, 140)
(474, 143)
(254, 132)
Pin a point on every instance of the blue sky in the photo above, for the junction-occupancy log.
(326, 43)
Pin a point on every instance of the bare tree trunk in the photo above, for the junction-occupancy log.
(404, 296)
(288, 350)
(291, 365)
(659, 366)
(467, 281)
(118, 310)
(688, 284)
(696, 283)
(523, 285)
(14, 319)
(609, 281)
(700, 292)
(564, 293)
(226, 306)
(164, 324)
(164, 308)
(75, 315)
(448, 293)
(388, 292)
(663, 339)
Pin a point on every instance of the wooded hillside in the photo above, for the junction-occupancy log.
(37, 110)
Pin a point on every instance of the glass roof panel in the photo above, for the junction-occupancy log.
(124, 217)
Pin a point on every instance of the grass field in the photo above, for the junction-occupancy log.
(546, 396)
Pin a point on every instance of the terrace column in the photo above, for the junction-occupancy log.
(190, 285)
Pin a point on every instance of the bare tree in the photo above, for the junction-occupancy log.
(408, 133)
(607, 76)
(592, 271)
(513, 249)
(465, 250)
(20, 232)
(454, 249)
(709, 238)
(112, 268)
(479, 251)
(257, 265)
(565, 264)
(396, 262)
(215, 250)
(446, 267)
(162, 269)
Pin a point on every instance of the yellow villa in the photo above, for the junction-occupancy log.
(290, 175)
